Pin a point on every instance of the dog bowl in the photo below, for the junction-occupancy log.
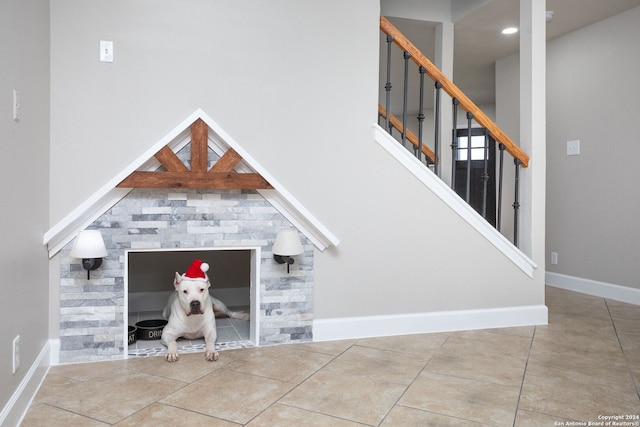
(132, 334)
(150, 329)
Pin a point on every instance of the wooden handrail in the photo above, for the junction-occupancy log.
(396, 123)
(452, 90)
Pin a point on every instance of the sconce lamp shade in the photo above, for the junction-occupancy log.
(89, 244)
(287, 243)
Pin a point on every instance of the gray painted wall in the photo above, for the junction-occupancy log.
(273, 75)
(592, 201)
(592, 92)
(24, 292)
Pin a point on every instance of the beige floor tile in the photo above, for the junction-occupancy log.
(580, 341)
(574, 302)
(620, 309)
(358, 399)
(376, 364)
(528, 419)
(112, 397)
(603, 368)
(164, 415)
(283, 415)
(282, 363)
(569, 399)
(87, 371)
(631, 347)
(493, 368)
(487, 342)
(404, 416)
(566, 297)
(421, 344)
(473, 400)
(523, 331)
(54, 385)
(188, 368)
(635, 374)
(579, 322)
(326, 347)
(229, 395)
(41, 414)
(627, 325)
(630, 344)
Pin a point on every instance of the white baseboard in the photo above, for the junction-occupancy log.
(18, 404)
(593, 287)
(420, 323)
(54, 352)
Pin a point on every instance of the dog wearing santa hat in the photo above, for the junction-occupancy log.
(191, 312)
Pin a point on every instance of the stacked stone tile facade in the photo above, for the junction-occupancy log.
(92, 311)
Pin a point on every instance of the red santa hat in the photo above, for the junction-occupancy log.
(197, 271)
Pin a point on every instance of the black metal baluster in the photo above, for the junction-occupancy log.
(454, 142)
(387, 87)
(436, 142)
(516, 203)
(485, 174)
(422, 71)
(500, 175)
(469, 118)
(407, 55)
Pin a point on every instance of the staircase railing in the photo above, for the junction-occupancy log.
(459, 100)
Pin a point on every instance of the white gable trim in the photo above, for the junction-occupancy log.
(219, 141)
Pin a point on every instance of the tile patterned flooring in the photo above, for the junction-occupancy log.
(583, 366)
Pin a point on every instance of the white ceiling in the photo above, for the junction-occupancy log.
(478, 41)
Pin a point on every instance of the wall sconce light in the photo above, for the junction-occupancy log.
(287, 245)
(89, 246)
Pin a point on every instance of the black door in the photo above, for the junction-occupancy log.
(482, 148)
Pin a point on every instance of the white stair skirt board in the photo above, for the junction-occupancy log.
(422, 323)
(18, 404)
(593, 287)
(451, 198)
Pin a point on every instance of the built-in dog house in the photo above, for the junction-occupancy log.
(176, 226)
(195, 194)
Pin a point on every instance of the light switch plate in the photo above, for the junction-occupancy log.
(106, 51)
(573, 147)
(16, 105)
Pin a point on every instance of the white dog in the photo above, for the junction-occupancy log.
(191, 311)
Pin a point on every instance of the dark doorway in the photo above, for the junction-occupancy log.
(482, 151)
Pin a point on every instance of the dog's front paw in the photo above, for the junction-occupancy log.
(171, 357)
(211, 356)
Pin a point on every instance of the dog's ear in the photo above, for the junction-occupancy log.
(177, 280)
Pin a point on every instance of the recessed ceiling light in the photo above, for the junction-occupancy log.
(510, 30)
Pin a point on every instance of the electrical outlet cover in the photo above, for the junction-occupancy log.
(573, 147)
